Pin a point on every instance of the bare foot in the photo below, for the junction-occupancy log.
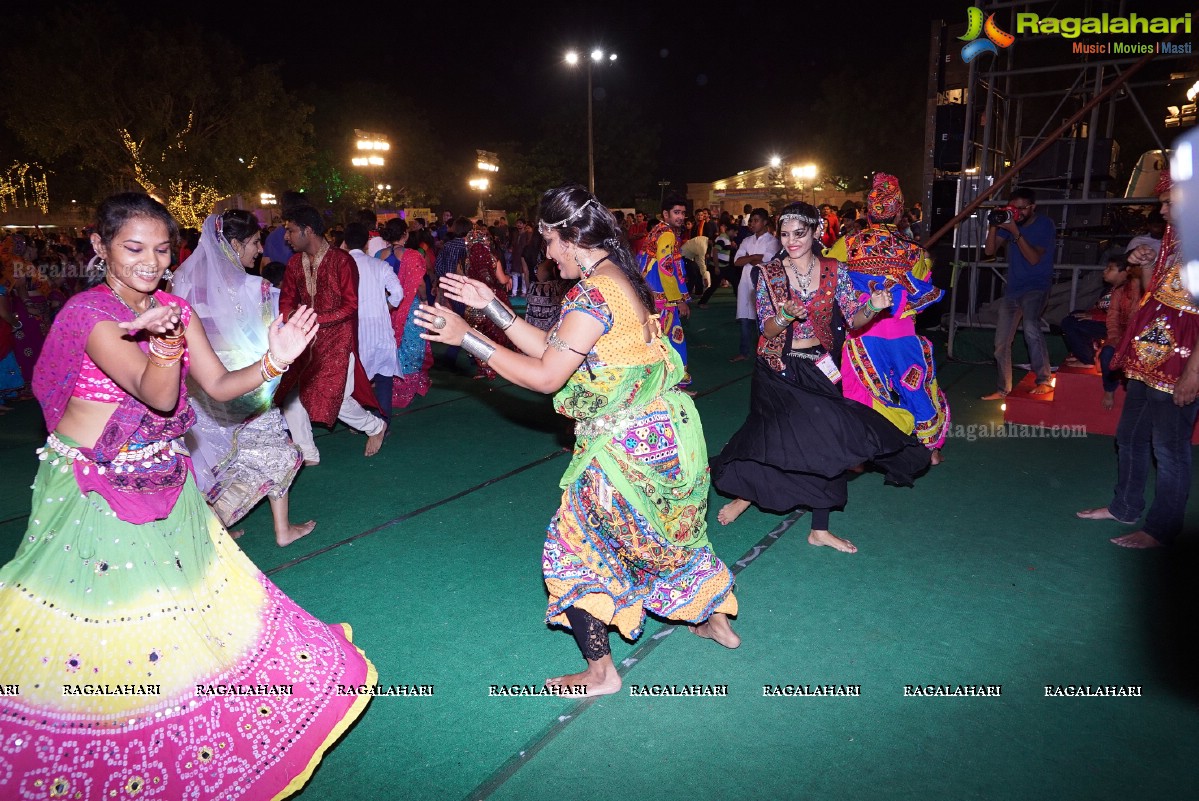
(600, 678)
(858, 468)
(237, 534)
(293, 533)
(996, 395)
(1101, 513)
(1109, 400)
(1041, 389)
(718, 628)
(690, 392)
(1070, 361)
(731, 511)
(935, 457)
(829, 539)
(739, 358)
(375, 441)
(1137, 539)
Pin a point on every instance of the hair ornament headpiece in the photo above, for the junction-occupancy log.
(806, 219)
(543, 227)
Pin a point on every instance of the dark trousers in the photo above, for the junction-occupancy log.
(749, 337)
(1080, 336)
(1152, 428)
(382, 386)
(726, 272)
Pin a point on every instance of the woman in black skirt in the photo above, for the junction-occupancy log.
(802, 437)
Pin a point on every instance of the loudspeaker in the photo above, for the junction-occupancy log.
(945, 193)
(947, 146)
(954, 71)
(1057, 160)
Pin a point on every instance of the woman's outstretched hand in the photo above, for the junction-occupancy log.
(475, 294)
(441, 324)
(288, 340)
(162, 321)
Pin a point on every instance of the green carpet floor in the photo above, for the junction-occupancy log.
(979, 574)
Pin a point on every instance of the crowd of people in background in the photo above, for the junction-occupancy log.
(180, 375)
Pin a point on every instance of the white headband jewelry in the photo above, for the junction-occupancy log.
(803, 218)
(543, 227)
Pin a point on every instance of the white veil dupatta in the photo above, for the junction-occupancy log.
(236, 310)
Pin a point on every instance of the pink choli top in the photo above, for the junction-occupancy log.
(93, 384)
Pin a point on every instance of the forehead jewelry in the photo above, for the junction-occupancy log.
(811, 222)
(543, 227)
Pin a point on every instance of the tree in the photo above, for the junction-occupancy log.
(875, 124)
(158, 108)
(415, 166)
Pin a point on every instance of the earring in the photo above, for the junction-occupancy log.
(584, 271)
(168, 275)
(101, 266)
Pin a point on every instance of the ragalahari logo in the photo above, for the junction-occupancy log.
(975, 27)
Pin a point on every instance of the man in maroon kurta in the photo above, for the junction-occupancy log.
(327, 383)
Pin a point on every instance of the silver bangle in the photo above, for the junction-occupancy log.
(476, 346)
(499, 314)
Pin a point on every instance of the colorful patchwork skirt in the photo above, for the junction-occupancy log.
(890, 368)
(602, 555)
(156, 661)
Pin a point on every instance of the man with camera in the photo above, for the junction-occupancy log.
(1030, 238)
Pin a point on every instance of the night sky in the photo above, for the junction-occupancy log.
(730, 84)
(728, 87)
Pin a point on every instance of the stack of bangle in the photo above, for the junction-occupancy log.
(783, 318)
(271, 369)
(166, 351)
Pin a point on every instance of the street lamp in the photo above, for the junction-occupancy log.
(480, 185)
(370, 147)
(597, 57)
(801, 174)
(486, 162)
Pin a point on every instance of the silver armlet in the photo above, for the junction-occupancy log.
(476, 346)
(499, 314)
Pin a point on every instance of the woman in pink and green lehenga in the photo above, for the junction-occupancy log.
(154, 659)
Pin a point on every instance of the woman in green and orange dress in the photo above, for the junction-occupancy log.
(630, 535)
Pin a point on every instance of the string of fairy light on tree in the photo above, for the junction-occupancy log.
(24, 186)
(188, 200)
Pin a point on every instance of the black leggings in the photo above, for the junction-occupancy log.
(820, 519)
(590, 635)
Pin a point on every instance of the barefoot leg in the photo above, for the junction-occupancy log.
(935, 458)
(822, 537)
(731, 511)
(285, 532)
(718, 628)
(600, 678)
(1138, 540)
(1102, 513)
(375, 441)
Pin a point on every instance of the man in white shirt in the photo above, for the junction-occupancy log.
(758, 248)
(379, 292)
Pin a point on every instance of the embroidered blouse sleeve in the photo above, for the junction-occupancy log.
(762, 300)
(586, 297)
(847, 296)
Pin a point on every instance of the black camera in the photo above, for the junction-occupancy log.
(1001, 216)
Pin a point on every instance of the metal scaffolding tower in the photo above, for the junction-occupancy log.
(1043, 116)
